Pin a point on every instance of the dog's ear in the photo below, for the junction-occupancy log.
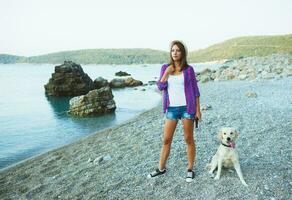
(236, 134)
(220, 135)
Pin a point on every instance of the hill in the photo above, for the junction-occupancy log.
(244, 47)
(94, 56)
(231, 49)
(6, 58)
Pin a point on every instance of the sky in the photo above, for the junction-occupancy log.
(35, 27)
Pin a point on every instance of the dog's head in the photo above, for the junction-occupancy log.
(228, 136)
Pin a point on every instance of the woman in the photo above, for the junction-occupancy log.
(180, 101)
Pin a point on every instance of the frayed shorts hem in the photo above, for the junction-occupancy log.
(178, 112)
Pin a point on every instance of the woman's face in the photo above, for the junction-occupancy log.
(176, 53)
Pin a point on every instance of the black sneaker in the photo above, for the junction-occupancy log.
(156, 173)
(190, 176)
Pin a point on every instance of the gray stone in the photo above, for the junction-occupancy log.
(107, 158)
(242, 76)
(96, 102)
(205, 78)
(151, 82)
(128, 82)
(117, 83)
(120, 73)
(251, 94)
(100, 82)
(68, 80)
(252, 68)
(98, 160)
(206, 107)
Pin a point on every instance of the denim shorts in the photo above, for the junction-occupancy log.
(178, 112)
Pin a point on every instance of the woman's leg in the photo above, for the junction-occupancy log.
(169, 129)
(188, 125)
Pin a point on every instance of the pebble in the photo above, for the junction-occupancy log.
(107, 158)
(206, 107)
(251, 94)
(98, 160)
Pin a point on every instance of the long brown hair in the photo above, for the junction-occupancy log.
(184, 53)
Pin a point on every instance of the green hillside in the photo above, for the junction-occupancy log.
(244, 47)
(95, 56)
(230, 49)
(6, 58)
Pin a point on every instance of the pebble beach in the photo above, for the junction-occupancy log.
(114, 163)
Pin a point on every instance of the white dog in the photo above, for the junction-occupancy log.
(226, 154)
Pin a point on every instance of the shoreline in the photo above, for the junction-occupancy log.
(95, 134)
(126, 153)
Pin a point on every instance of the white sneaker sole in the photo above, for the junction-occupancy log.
(189, 180)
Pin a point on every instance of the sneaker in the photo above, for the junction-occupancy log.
(190, 176)
(156, 173)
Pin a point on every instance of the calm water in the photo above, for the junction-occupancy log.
(32, 123)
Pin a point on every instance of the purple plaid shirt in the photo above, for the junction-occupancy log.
(191, 89)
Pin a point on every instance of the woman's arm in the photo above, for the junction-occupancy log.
(198, 104)
(197, 95)
(164, 74)
(198, 109)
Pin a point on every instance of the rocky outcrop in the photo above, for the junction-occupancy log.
(251, 68)
(205, 75)
(151, 82)
(100, 82)
(130, 82)
(120, 83)
(120, 73)
(117, 83)
(69, 80)
(96, 102)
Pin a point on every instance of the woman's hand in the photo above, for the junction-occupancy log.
(198, 115)
(169, 69)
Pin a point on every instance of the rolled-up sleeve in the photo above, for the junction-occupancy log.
(162, 85)
(196, 88)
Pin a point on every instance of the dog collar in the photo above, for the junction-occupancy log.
(226, 145)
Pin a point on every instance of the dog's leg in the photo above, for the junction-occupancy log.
(211, 171)
(213, 165)
(217, 177)
(239, 173)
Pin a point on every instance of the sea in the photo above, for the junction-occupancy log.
(32, 123)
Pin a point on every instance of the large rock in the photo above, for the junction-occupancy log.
(117, 83)
(100, 82)
(120, 73)
(69, 80)
(129, 82)
(96, 102)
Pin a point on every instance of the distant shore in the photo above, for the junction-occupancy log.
(114, 163)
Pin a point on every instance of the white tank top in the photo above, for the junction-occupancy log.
(176, 90)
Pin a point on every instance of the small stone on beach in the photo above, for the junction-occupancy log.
(251, 94)
(98, 160)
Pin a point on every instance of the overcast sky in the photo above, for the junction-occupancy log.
(34, 27)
